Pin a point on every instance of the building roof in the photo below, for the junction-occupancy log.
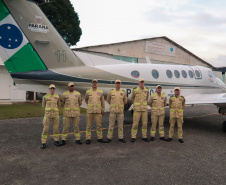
(163, 37)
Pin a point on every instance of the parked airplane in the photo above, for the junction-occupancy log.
(35, 55)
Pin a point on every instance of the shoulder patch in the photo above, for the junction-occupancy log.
(100, 90)
(112, 90)
(181, 96)
(146, 88)
(66, 92)
(89, 90)
(56, 95)
(76, 92)
(134, 87)
(123, 91)
(47, 95)
(153, 94)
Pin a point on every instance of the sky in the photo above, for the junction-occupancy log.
(197, 25)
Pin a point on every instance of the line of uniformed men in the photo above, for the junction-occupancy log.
(71, 100)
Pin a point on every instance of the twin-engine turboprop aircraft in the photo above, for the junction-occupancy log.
(35, 55)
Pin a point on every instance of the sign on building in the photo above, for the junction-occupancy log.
(160, 49)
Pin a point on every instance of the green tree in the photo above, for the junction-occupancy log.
(62, 15)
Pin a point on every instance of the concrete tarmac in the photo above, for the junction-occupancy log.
(200, 160)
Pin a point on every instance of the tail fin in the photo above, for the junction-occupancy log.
(28, 41)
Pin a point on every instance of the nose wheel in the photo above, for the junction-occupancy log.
(224, 126)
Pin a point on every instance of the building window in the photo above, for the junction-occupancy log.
(135, 74)
(197, 73)
(177, 74)
(184, 73)
(155, 73)
(125, 59)
(169, 73)
(210, 74)
(190, 74)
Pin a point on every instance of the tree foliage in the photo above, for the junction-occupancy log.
(62, 15)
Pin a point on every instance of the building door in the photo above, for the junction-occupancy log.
(5, 82)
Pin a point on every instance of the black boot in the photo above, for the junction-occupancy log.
(101, 141)
(63, 142)
(88, 141)
(78, 142)
(162, 138)
(169, 139)
(56, 143)
(152, 139)
(145, 139)
(122, 140)
(133, 140)
(43, 146)
(108, 140)
(181, 140)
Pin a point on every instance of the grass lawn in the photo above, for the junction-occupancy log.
(25, 110)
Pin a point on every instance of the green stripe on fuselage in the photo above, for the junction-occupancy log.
(26, 59)
(4, 12)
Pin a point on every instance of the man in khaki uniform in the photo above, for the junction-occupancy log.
(139, 98)
(71, 101)
(94, 99)
(157, 103)
(117, 99)
(176, 104)
(51, 102)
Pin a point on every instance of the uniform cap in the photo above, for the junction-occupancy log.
(95, 80)
(117, 81)
(177, 88)
(141, 79)
(52, 86)
(70, 84)
(158, 86)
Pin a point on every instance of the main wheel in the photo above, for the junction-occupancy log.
(224, 126)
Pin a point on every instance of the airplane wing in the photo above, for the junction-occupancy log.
(219, 98)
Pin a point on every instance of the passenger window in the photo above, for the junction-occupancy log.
(155, 73)
(169, 73)
(210, 74)
(177, 74)
(197, 73)
(184, 73)
(190, 74)
(135, 74)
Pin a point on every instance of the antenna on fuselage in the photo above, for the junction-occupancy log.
(148, 60)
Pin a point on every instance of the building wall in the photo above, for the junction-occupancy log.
(137, 49)
(9, 92)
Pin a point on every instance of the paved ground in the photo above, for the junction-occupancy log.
(200, 160)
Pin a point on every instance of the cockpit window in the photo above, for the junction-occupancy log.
(135, 74)
(210, 74)
(190, 74)
(169, 73)
(177, 74)
(155, 73)
(197, 73)
(184, 73)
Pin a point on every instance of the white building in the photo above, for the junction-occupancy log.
(9, 92)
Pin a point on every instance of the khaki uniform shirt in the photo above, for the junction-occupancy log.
(176, 104)
(51, 103)
(140, 98)
(157, 104)
(95, 101)
(117, 100)
(71, 102)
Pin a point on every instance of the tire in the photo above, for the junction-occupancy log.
(224, 126)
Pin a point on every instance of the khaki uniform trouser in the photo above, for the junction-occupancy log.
(136, 118)
(179, 126)
(66, 122)
(154, 120)
(89, 119)
(120, 119)
(46, 123)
